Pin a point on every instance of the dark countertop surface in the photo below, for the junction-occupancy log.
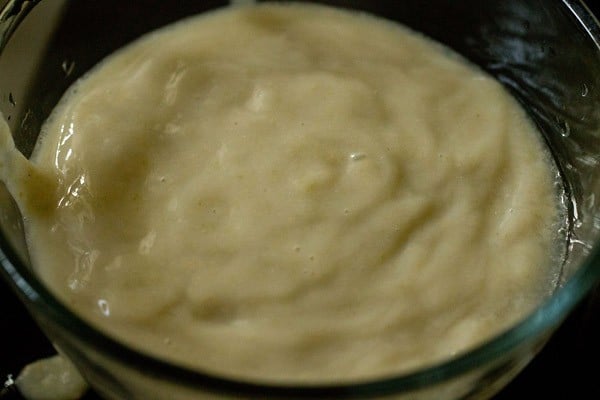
(567, 368)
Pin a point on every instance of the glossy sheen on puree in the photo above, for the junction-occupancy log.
(296, 193)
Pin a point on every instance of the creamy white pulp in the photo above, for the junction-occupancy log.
(294, 193)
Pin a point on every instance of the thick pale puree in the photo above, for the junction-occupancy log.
(294, 192)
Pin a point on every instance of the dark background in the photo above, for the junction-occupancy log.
(567, 368)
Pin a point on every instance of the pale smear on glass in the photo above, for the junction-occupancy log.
(294, 193)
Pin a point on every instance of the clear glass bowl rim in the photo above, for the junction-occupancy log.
(543, 320)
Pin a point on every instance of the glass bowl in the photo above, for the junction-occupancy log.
(547, 53)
